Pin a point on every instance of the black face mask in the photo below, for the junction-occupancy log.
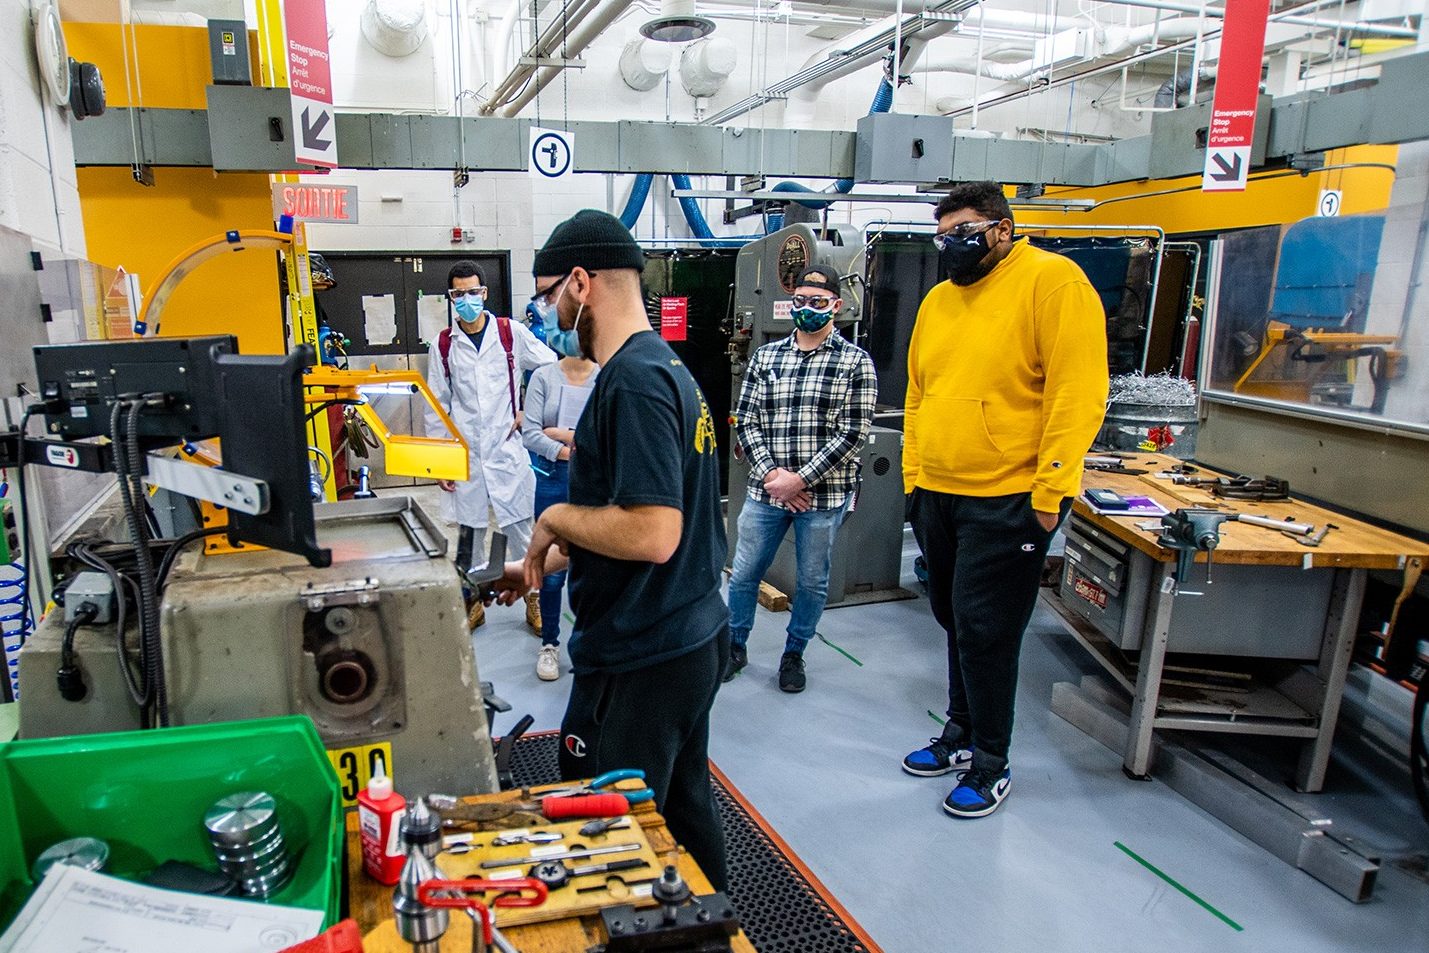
(962, 260)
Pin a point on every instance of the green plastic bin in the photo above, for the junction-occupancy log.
(145, 793)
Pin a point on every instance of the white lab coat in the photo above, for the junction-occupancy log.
(478, 399)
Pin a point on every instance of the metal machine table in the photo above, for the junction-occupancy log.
(1304, 701)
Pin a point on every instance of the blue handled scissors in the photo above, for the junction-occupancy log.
(595, 786)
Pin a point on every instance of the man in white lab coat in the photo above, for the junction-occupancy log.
(475, 369)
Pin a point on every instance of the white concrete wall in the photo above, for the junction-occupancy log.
(39, 194)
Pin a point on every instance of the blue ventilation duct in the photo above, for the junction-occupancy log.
(639, 192)
(882, 102)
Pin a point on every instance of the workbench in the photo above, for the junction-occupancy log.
(1288, 698)
(370, 903)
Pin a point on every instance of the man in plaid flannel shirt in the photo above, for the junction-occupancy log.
(803, 413)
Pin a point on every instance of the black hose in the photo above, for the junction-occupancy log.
(148, 592)
(178, 545)
(84, 615)
(138, 691)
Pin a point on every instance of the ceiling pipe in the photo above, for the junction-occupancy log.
(1133, 59)
(1347, 26)
(556, 34)
(841, 60)
(978, 17)
(802, 101)
(575, 45)
(1117, 41)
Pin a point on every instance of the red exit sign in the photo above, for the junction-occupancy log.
(315, 203)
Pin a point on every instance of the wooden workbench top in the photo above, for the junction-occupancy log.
(370, 903)
(1354, 545)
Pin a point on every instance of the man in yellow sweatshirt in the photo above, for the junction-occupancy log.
(1007, 386)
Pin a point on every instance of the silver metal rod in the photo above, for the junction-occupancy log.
(1285, 526)
(925, 198)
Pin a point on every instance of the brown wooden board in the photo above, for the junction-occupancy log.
(1354, 545)
(370, 903)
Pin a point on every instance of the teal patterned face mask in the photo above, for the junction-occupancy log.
(810, 321)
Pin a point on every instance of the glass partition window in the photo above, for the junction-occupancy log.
(1309, 318)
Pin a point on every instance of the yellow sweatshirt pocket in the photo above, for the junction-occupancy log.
(953, 439)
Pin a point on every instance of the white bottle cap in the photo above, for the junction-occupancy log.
(379, 787)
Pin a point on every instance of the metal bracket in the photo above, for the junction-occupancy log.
(555, 62)
(356, 592)
(221, 487)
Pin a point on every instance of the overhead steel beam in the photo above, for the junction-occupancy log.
(1374, 114)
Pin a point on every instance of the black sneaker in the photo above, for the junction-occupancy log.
(738, 658)
(791, 672)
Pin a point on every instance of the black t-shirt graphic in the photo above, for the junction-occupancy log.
(647, 438)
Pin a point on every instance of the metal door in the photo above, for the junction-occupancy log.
(408, 278)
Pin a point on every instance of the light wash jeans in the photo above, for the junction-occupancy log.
(761, 530)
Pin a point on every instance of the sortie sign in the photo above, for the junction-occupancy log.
(315, 203)
(310, 82)
(1237, 92)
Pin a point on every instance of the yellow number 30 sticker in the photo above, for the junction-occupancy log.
(356, 766)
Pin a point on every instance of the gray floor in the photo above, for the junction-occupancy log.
(1041, 874)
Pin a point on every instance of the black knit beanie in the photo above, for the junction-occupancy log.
(589, 239)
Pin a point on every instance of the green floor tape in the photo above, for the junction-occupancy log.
(1195, 899)
(839, 650)
(940, 721)
(567, 617)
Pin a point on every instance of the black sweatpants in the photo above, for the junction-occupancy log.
(984, 556)
(657, 719)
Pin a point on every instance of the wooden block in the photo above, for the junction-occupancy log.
(772, 599)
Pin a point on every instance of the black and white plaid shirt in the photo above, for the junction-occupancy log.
(809, 412)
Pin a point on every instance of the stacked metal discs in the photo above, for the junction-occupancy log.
(248, 842)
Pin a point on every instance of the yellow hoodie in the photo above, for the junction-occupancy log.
(1007, 382)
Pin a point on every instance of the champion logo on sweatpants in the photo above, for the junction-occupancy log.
(1029, 547)
(575, 746)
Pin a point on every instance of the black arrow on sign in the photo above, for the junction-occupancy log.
(1230, 172)
(311, 131)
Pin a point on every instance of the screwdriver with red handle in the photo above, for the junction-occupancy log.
(555, 808)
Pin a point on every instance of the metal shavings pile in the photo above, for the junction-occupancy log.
(1158, 390)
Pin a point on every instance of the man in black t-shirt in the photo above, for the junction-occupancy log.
(645, 541)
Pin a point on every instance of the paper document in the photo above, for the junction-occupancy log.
(431, 316)
(379, 316)
(76, 910)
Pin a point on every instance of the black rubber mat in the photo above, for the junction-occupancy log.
(781, 910)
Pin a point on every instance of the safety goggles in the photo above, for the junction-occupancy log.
(456, 294)
(817, 302)
(960, 232)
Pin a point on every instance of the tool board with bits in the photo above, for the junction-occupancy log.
(612, 862)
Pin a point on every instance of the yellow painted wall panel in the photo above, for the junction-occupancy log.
(143, 229)
(174, 67)
(1268, 202)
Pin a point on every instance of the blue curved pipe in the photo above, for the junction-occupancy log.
(882, 102)
(639, 192)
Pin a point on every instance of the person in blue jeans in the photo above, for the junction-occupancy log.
(804, 411)
(556, 396)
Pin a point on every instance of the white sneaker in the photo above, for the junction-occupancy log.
(548, 663)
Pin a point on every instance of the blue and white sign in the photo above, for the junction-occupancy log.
(552, 154)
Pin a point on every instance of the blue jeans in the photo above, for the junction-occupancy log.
(761, 530)
(553, 485)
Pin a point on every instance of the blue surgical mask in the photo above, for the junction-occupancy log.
(810, 321)
(469, 308)
(563, 342)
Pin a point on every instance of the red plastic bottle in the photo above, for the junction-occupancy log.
(379, 815)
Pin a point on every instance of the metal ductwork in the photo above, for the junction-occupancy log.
(706, 64)
(394, 27)
(677, 23)
(643, 65)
